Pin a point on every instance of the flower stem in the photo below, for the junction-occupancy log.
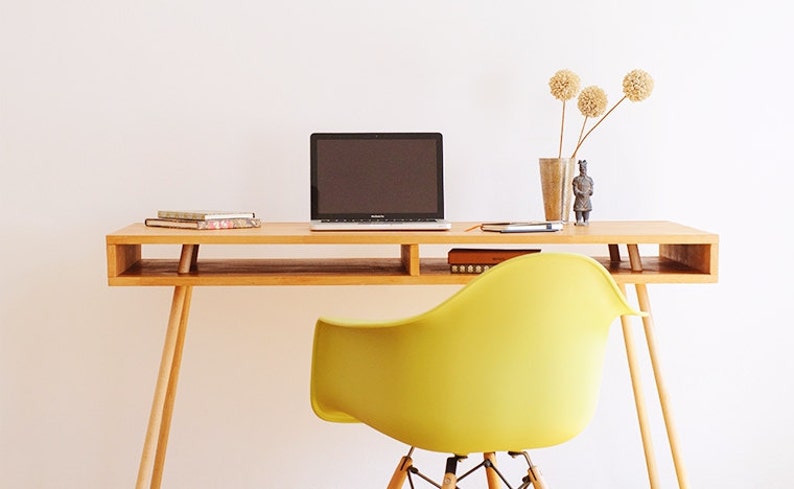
(581, 131)
(562, 129)
(581, 140)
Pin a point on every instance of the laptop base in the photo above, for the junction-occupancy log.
(434, 225)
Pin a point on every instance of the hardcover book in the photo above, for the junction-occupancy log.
(204, 215)
(236, 223)
(478, 260)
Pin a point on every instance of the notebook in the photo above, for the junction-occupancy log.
(377, 181)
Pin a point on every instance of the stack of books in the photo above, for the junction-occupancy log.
(478, 260)
(203, 220)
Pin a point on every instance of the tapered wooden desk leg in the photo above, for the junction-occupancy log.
(151, 466)
(150, 471)
(639, 399)
(672, 437)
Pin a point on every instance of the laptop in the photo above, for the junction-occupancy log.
(377, 181)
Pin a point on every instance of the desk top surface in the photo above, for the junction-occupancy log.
(598, 232)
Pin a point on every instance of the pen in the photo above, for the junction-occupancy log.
(472, 228)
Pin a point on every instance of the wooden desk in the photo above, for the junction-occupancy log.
(683, 255)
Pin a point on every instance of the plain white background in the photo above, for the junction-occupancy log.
(112, 110)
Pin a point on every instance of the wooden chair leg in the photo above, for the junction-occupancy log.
(401, 472)
(450, 478)
(490, 473)
(533, 472)
(536, 478)
(450, 481)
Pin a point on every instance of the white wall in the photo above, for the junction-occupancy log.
(112, 110)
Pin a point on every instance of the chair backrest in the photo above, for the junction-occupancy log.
(512, 361)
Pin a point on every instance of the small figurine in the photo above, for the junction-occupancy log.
(582, 190)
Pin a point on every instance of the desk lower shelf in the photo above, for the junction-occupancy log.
(359, 271)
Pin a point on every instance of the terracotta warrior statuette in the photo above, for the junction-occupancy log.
(582, 190)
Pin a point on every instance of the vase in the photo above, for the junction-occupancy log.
(556, 177)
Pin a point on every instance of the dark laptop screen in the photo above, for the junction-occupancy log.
(377, 176)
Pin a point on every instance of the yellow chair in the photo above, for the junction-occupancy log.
(513, 361)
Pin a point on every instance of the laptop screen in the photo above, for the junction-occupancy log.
(380, 176)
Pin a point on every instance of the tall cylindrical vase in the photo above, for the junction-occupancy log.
(556, 177)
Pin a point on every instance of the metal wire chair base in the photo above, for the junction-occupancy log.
(533, 477)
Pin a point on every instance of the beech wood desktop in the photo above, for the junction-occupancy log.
(684, 255)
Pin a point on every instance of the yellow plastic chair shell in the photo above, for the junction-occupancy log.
(512, 361)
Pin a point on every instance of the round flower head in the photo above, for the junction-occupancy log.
(592, 101)
(564, 85)
(637, 85)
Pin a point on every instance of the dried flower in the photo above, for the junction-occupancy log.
(564, 85)
(592, 101)
(637, 85)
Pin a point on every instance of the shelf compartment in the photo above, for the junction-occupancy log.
(355, 271)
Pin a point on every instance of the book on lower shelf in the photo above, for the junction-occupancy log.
(204, 224)
(199, 215)
(478, 260)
